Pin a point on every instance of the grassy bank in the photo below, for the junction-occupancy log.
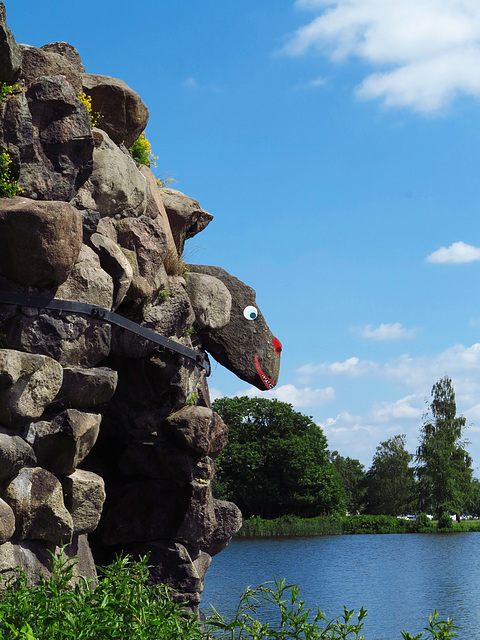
(123, 606)
(336, 525)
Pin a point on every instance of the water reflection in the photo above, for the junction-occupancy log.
(400, 579)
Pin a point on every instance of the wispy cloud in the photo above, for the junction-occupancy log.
(456, 252)
(351, 367)
(190, 83)
(393, 331)
(312, 84)
(298, 397)
(423, 53)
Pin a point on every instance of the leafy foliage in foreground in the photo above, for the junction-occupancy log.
(292, 620)
(121, 606)
(124, 606)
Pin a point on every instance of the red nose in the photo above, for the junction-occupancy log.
(277, 345)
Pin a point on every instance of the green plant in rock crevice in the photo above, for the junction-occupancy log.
(8, 184)
(86, 100)
(141, 151)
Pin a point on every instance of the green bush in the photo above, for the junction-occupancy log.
(122, 606)
(421, 523)
(445, 522)
(141, 152)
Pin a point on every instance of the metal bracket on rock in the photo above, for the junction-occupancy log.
(100, 313)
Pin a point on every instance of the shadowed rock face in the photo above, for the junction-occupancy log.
(244, 345)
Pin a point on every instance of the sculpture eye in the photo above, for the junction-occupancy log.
(250, 313)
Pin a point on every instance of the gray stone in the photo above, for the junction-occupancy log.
(62, 443)
(54, 59)
(48, 134)
(170, 564)
(115, 186)
(15, 454)
(197, 428)
(86, 388)
(156, 208)
(124, 115)
(173, 316)
(245, 345)
(153, 457)
(84, 495)
(211, 300)
(39, 241)
(7, 522)
(199, 522)
(36, 497)
(147, 238)
(88, 282)
(185, 215)
(229, 520)
(28, 383)
(10, 54)
(35, 559)
(71, 339)
(115, 263)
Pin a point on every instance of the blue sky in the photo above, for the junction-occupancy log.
(336, 142)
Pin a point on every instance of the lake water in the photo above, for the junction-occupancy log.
(399, 579)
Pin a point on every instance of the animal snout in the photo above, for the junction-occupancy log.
(277, 345)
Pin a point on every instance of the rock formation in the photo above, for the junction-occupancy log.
(107, 440)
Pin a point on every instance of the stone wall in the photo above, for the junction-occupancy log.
(108, 442)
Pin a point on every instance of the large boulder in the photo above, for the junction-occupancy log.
(229, 520)
(85, 388)
(147, 238)
(39, 241)
(36, 497)
(28, 383)
(124, 115)
(47, 132)
(198, 429)
(115, 263)
(10, 53)
(7, 522)
(35, 559)
(211, 300)
(88, 282)
(15, 454)
(54, 59)
(62, 443)
(115, 186)
(84, 494)
(171, 564)
(71, 339)
(186, 216)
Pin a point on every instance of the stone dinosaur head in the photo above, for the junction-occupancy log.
(232, 327)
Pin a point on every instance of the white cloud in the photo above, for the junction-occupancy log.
(410, 407)
(312, 84)
(426, 52)
(352, 367)
(456, 252)
(299, 398)
(393, 331)
(190, 83)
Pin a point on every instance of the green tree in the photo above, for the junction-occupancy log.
(276, 461)
(443, 465)
(474, 498)
(390, 480)
(352, 474)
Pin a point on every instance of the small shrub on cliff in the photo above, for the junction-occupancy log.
(86, 100)
(141, 151)
(7, 90)
(8, 185)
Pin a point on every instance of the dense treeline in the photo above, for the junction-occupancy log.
(277, 463)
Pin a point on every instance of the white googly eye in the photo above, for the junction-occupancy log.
(250, 313)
